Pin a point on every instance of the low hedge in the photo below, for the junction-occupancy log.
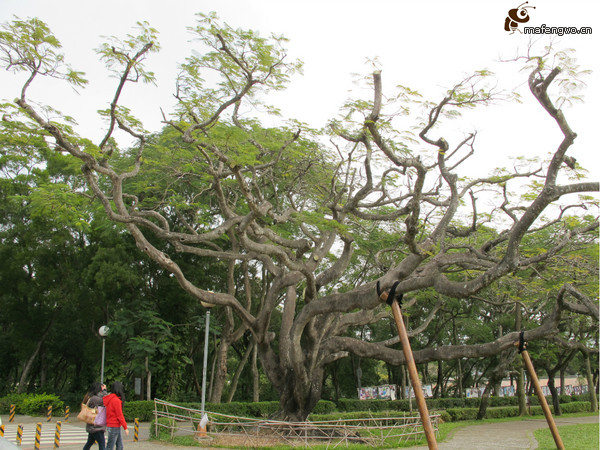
(452, 409)
(365, 416)
(32, 404)
(457, 414)
(144, 410)
(348, 405)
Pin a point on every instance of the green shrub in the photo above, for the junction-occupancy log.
(142, 410)
(564, 399)
(37, 405)
(502, 412)
(364, 416)
(348, 405)
(262, 409)
(444, 416)
(503, 401)
(324, 407)
(575, 406)
(457, 414)
(12, 399)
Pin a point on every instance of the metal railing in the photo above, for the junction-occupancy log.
(223, 429)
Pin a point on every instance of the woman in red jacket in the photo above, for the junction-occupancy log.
(114, 416)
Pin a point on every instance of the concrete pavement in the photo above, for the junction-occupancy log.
(72, 432)
(503, 435)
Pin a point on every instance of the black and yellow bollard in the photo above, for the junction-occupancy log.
(11, 417)
(19, 435)
(1, 430)
(38, 436)
(49, 414)
(57, 435)
(136, 430)
(67, 412)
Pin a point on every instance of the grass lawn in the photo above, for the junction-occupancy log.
(576, 437)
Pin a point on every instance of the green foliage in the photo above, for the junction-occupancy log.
(119, 54)
(12, 399)
(324, 407)
(29, 45)
(349, 405)
(362, 415)
(457, 414)
(33, 404)
(143, 410)
(166, 428)
(239, 409)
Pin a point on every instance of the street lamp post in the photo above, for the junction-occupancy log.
(103, 331)
(206, 329)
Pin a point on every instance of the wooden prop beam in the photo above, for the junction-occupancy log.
(522, 344)
(412, 367)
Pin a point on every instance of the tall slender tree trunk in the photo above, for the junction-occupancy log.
(439, 389)
(521, 394)
(506, 359)
(554, 392)
(255, 375)
(459, 377)
(148, 381)
(220, 377)
(485, 397)
(335, 381)
(29, 363)
(522, 397)
(591, 390)
(226, 340)
(238, 372)
(196, 381)
(212, 367)
(403, 378)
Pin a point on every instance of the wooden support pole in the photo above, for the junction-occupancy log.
(538, 390)
(412, 373)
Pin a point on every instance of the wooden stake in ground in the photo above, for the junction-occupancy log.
(522, 344)
(390, 299)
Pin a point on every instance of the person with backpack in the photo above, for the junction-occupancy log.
(114, 416)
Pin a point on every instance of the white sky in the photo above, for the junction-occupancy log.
(426, 45)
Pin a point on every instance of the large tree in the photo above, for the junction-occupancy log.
(292, 210)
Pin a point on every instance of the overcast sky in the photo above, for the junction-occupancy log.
(426, 45)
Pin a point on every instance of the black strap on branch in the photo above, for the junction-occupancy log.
(391, 295)
(522, 342)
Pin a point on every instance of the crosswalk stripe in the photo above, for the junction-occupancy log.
(69, 434)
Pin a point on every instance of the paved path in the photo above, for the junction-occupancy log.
(504, 435)
(72, 433)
